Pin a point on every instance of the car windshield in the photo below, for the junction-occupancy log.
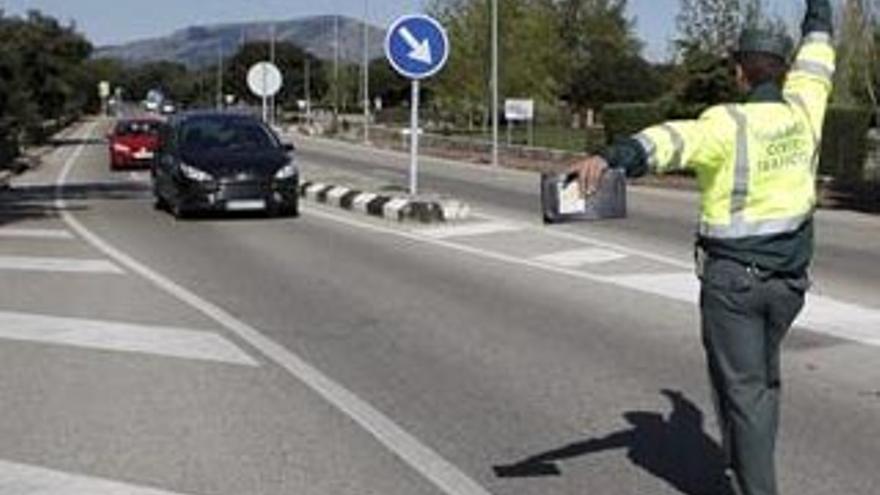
(207, 134)
(134, 127)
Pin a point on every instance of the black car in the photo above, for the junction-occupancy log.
(213, 161)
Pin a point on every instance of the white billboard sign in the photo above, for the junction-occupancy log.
(517, 109)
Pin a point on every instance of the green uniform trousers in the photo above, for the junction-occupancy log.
(746, 314)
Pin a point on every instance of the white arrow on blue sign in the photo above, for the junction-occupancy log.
(417, 46)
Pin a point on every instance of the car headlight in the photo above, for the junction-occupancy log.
(286, 172)
(121, 148)
(195, 174)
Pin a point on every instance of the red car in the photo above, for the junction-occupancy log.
(133, 143)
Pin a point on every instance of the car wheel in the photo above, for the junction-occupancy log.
(178, 211)
(159, 202)
(291, 210)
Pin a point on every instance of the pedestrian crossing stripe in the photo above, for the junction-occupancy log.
(122, 337)
(25, 479)
(65, 265)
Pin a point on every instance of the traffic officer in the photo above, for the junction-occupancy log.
(756, 167)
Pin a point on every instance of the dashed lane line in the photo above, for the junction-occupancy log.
(122, 337)
(435, 468)
(60, 265)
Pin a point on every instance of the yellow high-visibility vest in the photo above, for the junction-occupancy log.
(756, 163)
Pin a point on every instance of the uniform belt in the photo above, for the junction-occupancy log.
(703, 257)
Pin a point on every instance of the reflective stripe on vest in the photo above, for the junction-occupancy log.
(817, 37)
(740, 193)
(651, 148)
(738, 226)
(677, 144)
(751, 229)
(813, 68)
(799, 101)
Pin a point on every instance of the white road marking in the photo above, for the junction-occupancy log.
(596, 242)
(64, 265)
(683, 286)
(35, 233)
(468, 230)
(839, 319)
(23, 479)
(821, 315)
(580, 257)
(122, 337)
(447, 477)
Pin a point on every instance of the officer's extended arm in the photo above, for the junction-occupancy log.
(669, 146)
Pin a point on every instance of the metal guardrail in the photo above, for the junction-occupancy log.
(461, 146)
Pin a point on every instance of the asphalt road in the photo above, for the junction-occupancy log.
(336, 354)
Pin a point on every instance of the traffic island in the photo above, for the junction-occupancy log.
(397, 207)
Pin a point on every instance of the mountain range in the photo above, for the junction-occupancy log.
(200, 46)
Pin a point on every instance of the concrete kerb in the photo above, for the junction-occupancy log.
(32, 158)
(394, 207)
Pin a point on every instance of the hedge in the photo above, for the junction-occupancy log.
(845, 143)
(624, 119)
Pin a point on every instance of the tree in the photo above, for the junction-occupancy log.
(857, 65)
(290, 59)
(708, 30)
(605, 65)
(530, 53)
(41, 73)
(583, 52)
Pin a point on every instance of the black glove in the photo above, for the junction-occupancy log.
(818, 18)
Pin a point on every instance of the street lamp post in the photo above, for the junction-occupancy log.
(335, 68)
(366, 72)
(272, 60)
(495, 82)
(219, 76)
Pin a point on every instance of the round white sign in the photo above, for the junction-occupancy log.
(264, 79)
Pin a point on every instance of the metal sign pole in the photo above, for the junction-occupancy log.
(265, 95)
(414, 140)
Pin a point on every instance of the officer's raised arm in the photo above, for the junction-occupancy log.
(818, 18)
(810, 80)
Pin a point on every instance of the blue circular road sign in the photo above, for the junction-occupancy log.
(417, 46)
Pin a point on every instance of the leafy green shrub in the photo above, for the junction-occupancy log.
(624, 119)
(844, 143)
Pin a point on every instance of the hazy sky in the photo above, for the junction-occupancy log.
(115, 21)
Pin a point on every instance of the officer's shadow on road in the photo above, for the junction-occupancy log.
(674, 448)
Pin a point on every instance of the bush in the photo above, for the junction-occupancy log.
(624, 119)
(8, 148)
(844, 143)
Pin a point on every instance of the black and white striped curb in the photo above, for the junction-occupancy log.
(392, 207)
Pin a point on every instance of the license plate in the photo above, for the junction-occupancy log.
(249, 205)
(143, 155)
